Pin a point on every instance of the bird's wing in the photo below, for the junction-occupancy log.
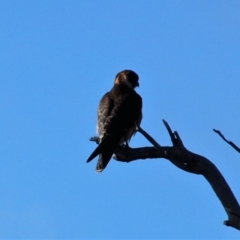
(115, 119)
(127, 111)
(105, 107)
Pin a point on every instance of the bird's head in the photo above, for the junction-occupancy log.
(127, 77)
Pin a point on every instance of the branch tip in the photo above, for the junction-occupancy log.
(229, 142)
(170, 132)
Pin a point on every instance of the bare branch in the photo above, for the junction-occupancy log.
(148, 137)
(171, 134)
(187, 161)
(229, 142)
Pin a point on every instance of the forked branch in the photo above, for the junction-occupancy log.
(189, 162)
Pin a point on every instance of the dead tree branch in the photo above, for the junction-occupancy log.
(229, 142)
(189, 162)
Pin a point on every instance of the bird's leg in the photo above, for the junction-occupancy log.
(125, 145)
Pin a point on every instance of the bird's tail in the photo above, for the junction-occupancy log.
(96, 152)
(105, 150)
(106, 146)
(103, 161)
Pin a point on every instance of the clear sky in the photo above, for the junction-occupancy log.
(58, 58)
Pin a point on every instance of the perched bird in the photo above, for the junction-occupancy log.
(119, 111)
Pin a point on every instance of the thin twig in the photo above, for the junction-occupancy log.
(171, 134)
(148, 137)
(229, 142)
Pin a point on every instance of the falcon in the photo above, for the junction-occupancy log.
(119, 111)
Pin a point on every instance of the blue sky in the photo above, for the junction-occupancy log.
(58, 58)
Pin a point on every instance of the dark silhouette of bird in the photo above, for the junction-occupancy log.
(119, 111)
